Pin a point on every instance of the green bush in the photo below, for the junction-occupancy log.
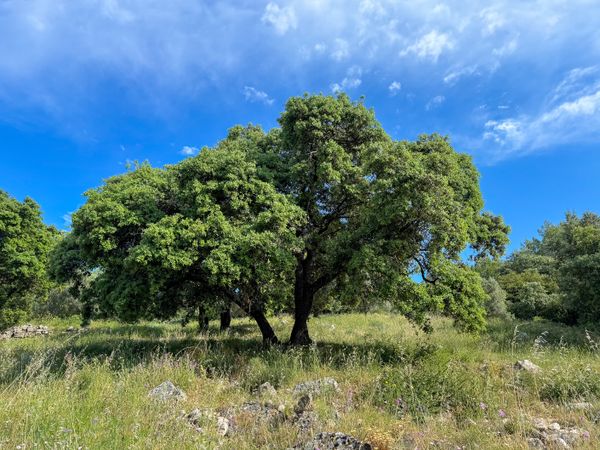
(60, 303)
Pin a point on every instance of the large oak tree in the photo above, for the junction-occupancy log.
(326, 200)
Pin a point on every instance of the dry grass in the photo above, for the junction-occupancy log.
(399, 388)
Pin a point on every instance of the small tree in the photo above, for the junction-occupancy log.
(24, 245)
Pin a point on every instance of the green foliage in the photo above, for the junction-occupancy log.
(59, 303)
(557, 276)
(327, 205)
(24, 245)
(191, 234)
(495, 304)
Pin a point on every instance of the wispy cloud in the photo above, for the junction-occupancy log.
(254, 95)
(430, 46)
(394, 87)
(281, 18)
(351, 80)
(571, 115)
(435, 102)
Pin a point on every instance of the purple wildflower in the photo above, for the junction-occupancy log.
(501, 413)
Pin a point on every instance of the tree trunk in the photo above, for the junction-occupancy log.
(202, 319)
(268, 335)
(303, 301)
(225, 319)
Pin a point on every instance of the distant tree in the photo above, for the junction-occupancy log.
(24, 245)
(495, 304)
(555, 276)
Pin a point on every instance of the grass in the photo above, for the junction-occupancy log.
(399, 388)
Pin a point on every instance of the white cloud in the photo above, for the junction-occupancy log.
(282, 19)
(430, 46)
(254, 95)
(394, 87)
(571, 115)
(188, 151)
(351, 80)
(453, 76)
(341, 50)
(435, 102)
(492, 21)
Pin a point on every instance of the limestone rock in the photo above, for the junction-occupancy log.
(167, 391)
(527, 366)
(331, 441)
(25, 331)
(316, 387)
(266, 390)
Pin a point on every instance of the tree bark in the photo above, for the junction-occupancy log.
(268, 335)
(303, 301)
(225, 319)
(202, 319)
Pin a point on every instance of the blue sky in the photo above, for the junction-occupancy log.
(86, 86)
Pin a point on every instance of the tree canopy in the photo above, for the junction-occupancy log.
(555, 276)
(269, 220)
(24, 245)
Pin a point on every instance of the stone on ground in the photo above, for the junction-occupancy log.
(167, 391)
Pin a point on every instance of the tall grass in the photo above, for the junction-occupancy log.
(399, 387)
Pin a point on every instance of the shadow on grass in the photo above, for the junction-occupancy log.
(226, 354)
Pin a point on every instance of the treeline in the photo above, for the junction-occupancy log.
(555, 276)
(324, 209)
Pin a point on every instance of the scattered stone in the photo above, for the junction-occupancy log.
(25, 331)
(535, 443)
(552, 435)
(527, 366)
(579, 406)
(167, 391)
(303, 404)
(71, 330)
(316, 387)
(331, 441)
(266, 390)
(222, 426)
(265, 412)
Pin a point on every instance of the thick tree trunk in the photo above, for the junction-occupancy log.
(303, 301)
(268, 335)
(225, 319)
(202, 319)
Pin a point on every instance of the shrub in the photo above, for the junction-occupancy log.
(495, 304)
(60, 303)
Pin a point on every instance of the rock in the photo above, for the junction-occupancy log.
(554, 426)
(553, 435)
(222, 426)
(167, 391)
(265, 412)
(579, 406)
(316, 387)
(331, 441)
(527, 366)
(540, 424)
(266, 390)
(535, 443)
(25, 331)
(303, 404)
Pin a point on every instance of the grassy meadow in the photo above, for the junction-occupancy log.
(399, 388)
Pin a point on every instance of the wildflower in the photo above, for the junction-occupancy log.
(482, 406)
(501, 413)
(399, 401)
(586, 434)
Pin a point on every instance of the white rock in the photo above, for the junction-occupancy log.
(527, 366)
(167, 391)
